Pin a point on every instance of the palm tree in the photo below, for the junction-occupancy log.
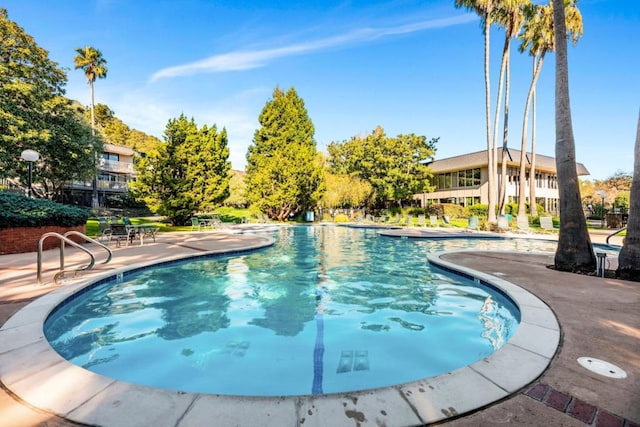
(574, 252)
(94, 66)
(484, 9)
(538, 37)
(629, 258)
(508, 14)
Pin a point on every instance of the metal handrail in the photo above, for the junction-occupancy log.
(89, 239)
(616, 232)
(65, 240)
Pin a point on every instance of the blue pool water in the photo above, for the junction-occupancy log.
(325, 310)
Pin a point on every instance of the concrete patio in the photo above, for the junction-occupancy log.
(598, 318)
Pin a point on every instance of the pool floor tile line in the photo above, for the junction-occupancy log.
(582, 411)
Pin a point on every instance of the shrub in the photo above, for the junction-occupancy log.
(479, 210)
(20, 211)
(341, 218)
(453, 210)
(416, 211)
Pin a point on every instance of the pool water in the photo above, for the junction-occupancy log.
(325, 310)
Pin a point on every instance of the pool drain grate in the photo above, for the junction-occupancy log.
(601, 367)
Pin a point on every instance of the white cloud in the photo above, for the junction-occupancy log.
(249, 59)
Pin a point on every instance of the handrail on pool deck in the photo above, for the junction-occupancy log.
(615, 232)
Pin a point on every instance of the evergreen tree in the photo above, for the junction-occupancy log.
(208, 167)
(186, 174)
(284, 172)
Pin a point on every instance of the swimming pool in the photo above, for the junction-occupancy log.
(325, 310)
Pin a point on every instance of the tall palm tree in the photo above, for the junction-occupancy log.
(629, 258)
(94, 66)
(574, 251)
(484, 9)
(508, 14)
(538, 37)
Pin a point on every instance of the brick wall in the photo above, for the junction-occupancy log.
(25, 239)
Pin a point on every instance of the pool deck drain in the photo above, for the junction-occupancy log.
(52, 382)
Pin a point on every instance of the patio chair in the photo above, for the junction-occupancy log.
(421, 221)
(522, 222)
(196, 224)
(472, 223)
(103, 225)
(503, 223)
(410, 220)
(433, 220)
(120, 232)
(546, 223)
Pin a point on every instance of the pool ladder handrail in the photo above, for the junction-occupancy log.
(64, 239)
(615, 232)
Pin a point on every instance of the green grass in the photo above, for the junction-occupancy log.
(226, 214)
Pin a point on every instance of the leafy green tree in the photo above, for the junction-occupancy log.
(284, 173)
(629, 258)
(345, 191)
(237, 190)
(395, 167)
(34, 115)
(69, 152)
(186, 174)
(28, 81)
(574, 252)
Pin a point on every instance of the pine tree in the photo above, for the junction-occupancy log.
(284, 173)
(188, 173)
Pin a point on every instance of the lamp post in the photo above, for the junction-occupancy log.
(603, 195)
(30, 156)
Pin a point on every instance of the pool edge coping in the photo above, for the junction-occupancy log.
(91, 398)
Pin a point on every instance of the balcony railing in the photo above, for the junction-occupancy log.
(116, 166)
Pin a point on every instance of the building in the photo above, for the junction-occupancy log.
(463, 179)
(115, 171)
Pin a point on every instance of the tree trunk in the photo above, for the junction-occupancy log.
(503, 66)
(94, 182)
(503, 171)
(629, 258)
(533, 210)
(522, 185)
(574, 252)
(491, 182)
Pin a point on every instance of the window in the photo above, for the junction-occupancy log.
(110, 156)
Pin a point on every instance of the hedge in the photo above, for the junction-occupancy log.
(21, 211)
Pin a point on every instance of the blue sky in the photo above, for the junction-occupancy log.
(408, 66)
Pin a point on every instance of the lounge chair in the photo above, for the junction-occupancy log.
(421, 221)
(503, 223)
(433, 220)
(472, 223)
(409, 220)
(197, 224)
(522, 222)
(446, 220)
(546, 223)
